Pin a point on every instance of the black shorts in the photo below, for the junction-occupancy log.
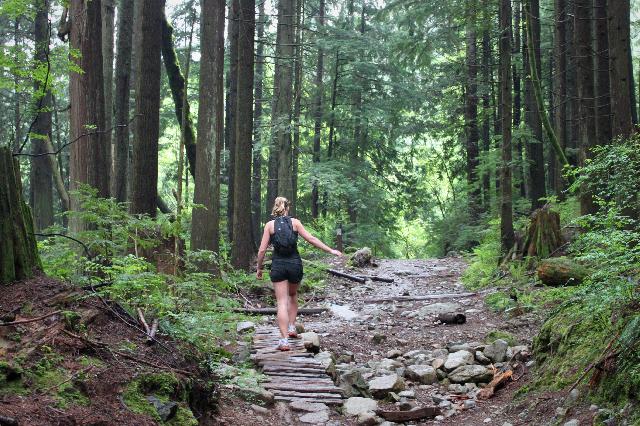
(286, 270)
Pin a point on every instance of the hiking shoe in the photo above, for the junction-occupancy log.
(292, 332)
(283, 345)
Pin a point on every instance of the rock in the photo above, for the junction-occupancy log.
(441, 374)
(422, 374)
(439, 418)
(457, 388)
(299, 328)
(367, 419)
(437, 399)
(439, 308)
(561, 411)
(469, 404)
(507, 424)
(166, 410)
(407, 394)
(572, 397)
(258, 409)
(438, 363)
(311, 341)
(445, 403)
(361, 257)
(355, 406)
(455, 347)
(314, 418)
(471, 373)
(407, 405)
(381, 386)
(440, 353)
(258, 395)
(487, 420)
(244, 327)
(307, 407)
(520, 352)
(346, 357)
(496, 351)
(353, 383)
(394, 353)
(388, 365)
(457, 359)
(593, 407)
(482, 359)
(572, 422)
(378, 338)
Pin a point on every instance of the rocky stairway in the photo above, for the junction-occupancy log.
(295, 374)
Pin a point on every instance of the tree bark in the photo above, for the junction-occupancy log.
(603, 100)
(535, 153)
(559, 88)
(147, 125)
(619, 66)
(89, 162)
(297, 105)
(471, 115)
(317, 113)
(108, 17)
(506, 210)
(282, 96)
(18, 250)
(232, 99)
(177, 85)
(242, 246)
(486, 107)
(210, 129)
(256, 186)
(520, 167)
(41, 193)
(122, 100)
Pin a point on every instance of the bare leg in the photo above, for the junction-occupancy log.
(282, 299)
(293, 303)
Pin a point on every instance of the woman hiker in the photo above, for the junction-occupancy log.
(286, 267)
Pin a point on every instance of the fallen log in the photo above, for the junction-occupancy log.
(559, 271)
(452, 318)
(351, 277)
(25, 321)
(377, 278)
(405, 416)
(152, 332)
(143, 322)
(416, 298)
(498, 381)
(273, 311)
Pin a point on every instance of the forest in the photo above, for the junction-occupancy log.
(476, 161)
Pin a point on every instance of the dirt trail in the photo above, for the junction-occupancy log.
(361, 332)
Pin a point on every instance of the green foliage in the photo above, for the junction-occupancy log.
(492, 336)
(483, 269)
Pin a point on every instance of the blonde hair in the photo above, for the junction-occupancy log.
(280, 206)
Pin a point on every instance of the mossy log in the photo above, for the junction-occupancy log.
(18, 252)
(561, 271)
(543, 236)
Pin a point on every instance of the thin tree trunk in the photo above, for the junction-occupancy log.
(559, 88)
(89, 162)
(573, 131)
(519, 168)
(297, 98)
(317, 128)
(603, 100)
(506, 210)
(17, 114)
(108, 17)
(256, 186)
(41, 173)
(147, 126)
(471, 115)
(242, 246)
(619, 36)
(584, 47)
(535, 153)
(121, 100)
(210, 129)
(332, 120)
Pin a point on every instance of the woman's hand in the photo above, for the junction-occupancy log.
(259, 274)
(337, 253)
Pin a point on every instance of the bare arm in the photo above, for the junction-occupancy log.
(314, 241)
(263, 247)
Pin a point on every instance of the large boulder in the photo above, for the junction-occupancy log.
(422, 374)
(457, 359)
(381, 386)
(311, 341)
(362, 258)
(471, 374)
(355, 406)
(496, 351)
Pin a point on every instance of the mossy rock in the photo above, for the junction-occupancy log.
(494, 335)
(558, 271)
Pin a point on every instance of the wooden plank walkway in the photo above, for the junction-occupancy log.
(295, 374)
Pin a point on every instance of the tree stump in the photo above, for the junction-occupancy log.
(561, 271)
(543, 236)
(18, 251)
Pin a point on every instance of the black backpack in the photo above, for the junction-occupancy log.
(284, 239)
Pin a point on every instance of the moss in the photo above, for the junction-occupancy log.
(184, 417)
(87, 361)
(492, 336)
(498, 301)
(56, 383)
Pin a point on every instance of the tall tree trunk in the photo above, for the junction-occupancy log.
(121, 101)
(256, 186)
(535, 153)
(317, 113)
(108, 17)
(297, 100)
(89, 162)
(559, 88)
(332, 120)
(471, 114)
(583, 41)
(282, 96)
(242, 247)
(177, 86)
(506, 209)
(210, 128)
(147, 126)
(573, 131)
(486, 111)
(41, 173)
(519, 168)
(603, 100)
(17, 114)
(231, 108)
(619, 36)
